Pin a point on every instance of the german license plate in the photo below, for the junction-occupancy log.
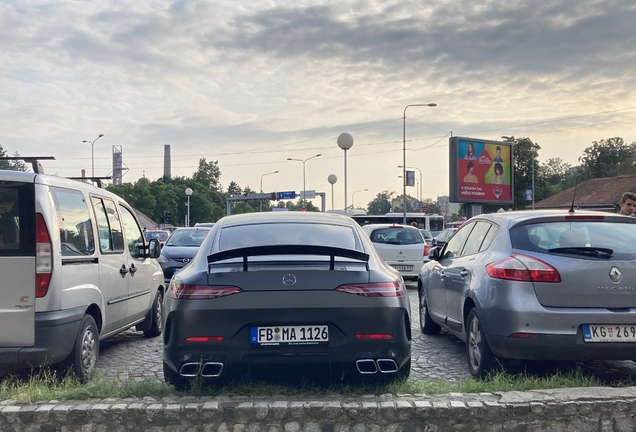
(289, 335)
(402, 267)
(609, 333)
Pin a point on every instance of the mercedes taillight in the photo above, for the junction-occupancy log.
(201, 292)
(43, 257)
(519, 267)
(377, 289)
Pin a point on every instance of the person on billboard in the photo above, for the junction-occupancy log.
(470, 153)
(498, 177)
(470, 177)
(498, 158)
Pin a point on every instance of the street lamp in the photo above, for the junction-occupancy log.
(332, 179)
(261, 202)
(404, 157)
(512, 140)
(421, 194)
(93, 153)
(353, 195)
(304, 198)
(188, 192)
(345, 142)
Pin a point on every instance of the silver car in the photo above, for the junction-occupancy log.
(540, 285)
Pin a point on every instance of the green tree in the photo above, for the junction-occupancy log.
(208, 174)
(17, 165)
(608, 158)
(525, 163)
(381, 204)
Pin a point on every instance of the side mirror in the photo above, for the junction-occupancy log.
(433, 254)
(154, 248)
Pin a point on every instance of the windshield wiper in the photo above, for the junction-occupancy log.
(599, 252)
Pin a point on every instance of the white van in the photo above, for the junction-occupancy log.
(74, 269)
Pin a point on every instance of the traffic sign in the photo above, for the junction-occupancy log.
(286, 195)
(308, 194)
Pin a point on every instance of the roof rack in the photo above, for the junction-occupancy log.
(33, 160)
(97, 180)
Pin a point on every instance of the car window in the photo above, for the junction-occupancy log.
(476, 238)
(454, 245)
(76, 228)
(396, 235)
(187, 237)
(134, 237)
(109, 227)
(159, 235)
(488, 239)
(541, 237)
(316, 234)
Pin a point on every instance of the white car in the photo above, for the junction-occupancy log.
(400, 246)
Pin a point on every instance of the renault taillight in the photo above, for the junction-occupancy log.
(519, 267)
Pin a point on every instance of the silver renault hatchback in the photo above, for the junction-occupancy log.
(535, 285)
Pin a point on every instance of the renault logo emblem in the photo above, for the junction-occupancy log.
(615, 274)
(289, 280)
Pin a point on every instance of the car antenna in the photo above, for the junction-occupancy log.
(576, 182)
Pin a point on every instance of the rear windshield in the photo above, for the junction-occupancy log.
(271, 234)
(396, 235)
(542, 237)
(187, 237)
(17, 219)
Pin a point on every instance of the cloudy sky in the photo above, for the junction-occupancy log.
(252, 83)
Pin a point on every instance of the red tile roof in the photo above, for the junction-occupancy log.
(601, 193)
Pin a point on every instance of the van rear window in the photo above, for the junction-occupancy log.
(17, 219)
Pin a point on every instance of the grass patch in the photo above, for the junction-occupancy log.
(45, 385)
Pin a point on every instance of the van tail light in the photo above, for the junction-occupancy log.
(427, 247)
(201, 292)
(519, 267)
(378, 289)
(43, 257)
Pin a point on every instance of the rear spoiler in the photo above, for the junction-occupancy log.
(329, 251)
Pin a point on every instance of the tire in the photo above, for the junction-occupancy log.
(427, 325)
(83, 358)
(481, 360)
(157, 317)
(173, 378)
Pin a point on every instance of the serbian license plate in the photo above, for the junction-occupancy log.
(402, 267)
(609, 333)
(289, 335)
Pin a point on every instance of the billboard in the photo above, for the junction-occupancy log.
(410, 178)
(481, 171)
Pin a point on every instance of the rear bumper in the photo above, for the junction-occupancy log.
(235, 350)
(55, 334)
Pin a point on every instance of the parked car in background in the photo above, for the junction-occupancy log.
(204, 224)
(161, 235)
(535, 285)
(75, 270)
(286, 288)
(443, 237)
(428, 237)
(400, 246)
(182, 245)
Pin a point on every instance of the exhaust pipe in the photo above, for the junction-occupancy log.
(190, 369)
(366, 366)
(211, 369)
(387, 365)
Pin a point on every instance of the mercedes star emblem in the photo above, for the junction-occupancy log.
(289, 279)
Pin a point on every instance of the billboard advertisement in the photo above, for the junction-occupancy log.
(410, 178)
(481, 171)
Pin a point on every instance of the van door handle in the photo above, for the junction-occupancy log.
(123, 270)
(132, 269)
(463, 273)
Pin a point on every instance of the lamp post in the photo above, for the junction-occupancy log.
(261, 202)
(421, 194)
(93, 153)
(512, 140)
(345, 142)
(332, 179)
(304, 198)
(188, 192)
(353, 196)
(404, 157)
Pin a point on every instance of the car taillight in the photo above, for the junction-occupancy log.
(201, 292)
(43, 257)
(373, 336)
(524, 268)
(427, 248)
(378, 289)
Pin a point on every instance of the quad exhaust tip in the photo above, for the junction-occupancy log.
(370, 366)
(206, 370)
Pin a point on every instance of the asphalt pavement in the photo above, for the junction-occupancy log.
(130, 356)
